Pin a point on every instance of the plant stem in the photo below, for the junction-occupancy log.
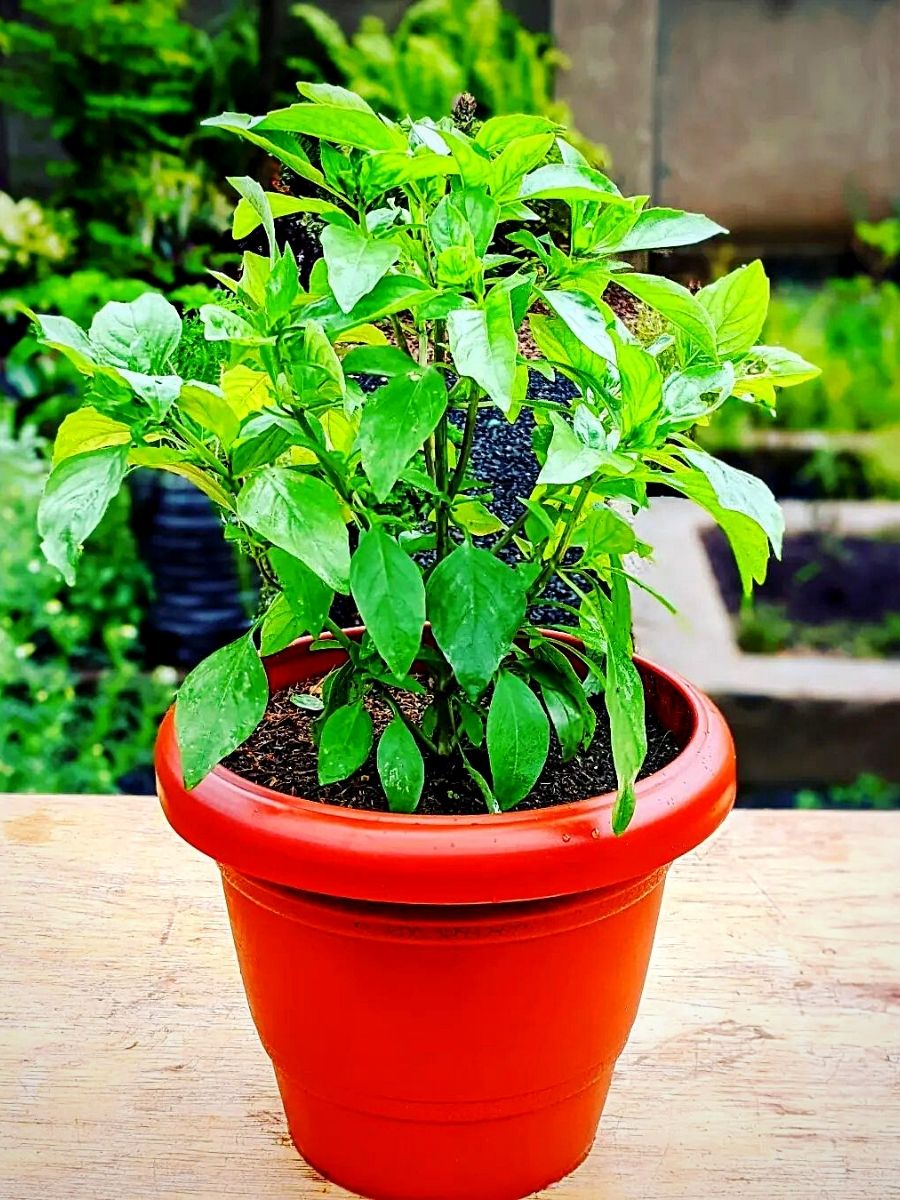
(410, 725)
(338, 634)
(337, 483)
(400, 335)
(565, 539)
(465, 450)
(517, 525)
(201, 450)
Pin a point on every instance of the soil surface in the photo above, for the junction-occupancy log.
(280, 754)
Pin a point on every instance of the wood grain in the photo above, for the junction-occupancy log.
(765, 1064)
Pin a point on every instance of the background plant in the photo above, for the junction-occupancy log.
(291, 449)
(121, 86)
(438, 50)
(76, 711)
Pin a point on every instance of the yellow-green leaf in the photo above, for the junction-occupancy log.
(163, 458)
(88, 429)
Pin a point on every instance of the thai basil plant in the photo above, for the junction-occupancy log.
(435, 271)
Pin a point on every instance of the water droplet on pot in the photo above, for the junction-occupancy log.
(566, 837)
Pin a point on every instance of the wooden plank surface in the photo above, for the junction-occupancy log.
(765, 1063)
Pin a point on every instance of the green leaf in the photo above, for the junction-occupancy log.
(140, 336)
(308, 598)
(329, 93)
(585, 320)
(559, 345)
(388, 589)
(318, 371)
(518, 739)
(473, 164)
(255, 272)
(223, 325)
(247, 218)
(498, 132)
(299, 514)
(472, 516)
(737, 304)
(258, 200)
(179, 462)
(392, 294)
(386, 361)
(559, 181)
(390, 169)
(476, 604)
(684, 393)
(400, 767)
(219, 705)
(749, 541)
(355, 263)
(484, 345)
(282, 286)
(624, 699)
(657, 228)
(565, 714)
(279, 627)
(603, 531)
(742, 493)
(345, 742)
(76, 495)
(87, 429)
(782, 367)
(677, 305)
(468, 213)
(396, 420)
(564, 698)
(337, 124)
(570, 460)
(206, 404)
(642, 389)
(62, 333)
(601, 228)
(159, 392)
(517, 159)
(283, 146)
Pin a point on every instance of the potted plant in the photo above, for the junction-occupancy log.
(443, 906)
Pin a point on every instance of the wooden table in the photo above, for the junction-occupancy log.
(765, 1064)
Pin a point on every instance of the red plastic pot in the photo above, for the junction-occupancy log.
(444, 998)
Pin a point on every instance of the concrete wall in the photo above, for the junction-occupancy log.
(780, 117)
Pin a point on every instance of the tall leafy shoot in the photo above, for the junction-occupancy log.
(433, 266)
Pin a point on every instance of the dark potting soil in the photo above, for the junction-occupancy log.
(280, 754)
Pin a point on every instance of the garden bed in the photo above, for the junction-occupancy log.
(801, 714)
(828, 594)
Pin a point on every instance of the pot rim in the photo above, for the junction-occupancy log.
(407, 858)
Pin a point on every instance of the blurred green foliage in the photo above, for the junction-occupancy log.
(866, 791)
(881, 236)
(32, 236)
(766, 628)
(122, 88)
(439, 49)
(851, 329)
(76, 709)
